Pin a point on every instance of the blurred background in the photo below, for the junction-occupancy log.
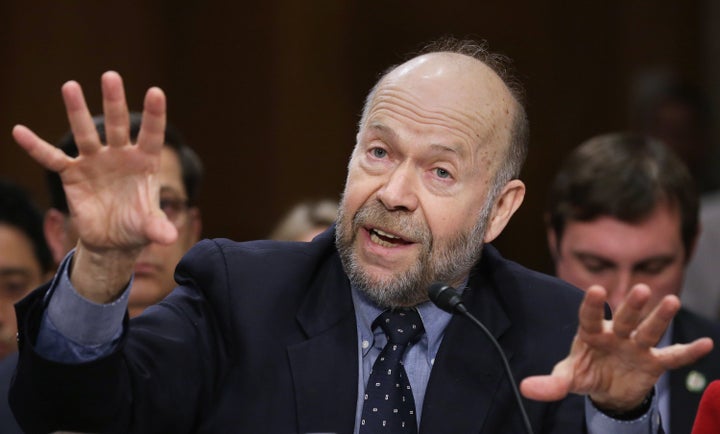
(269, 93)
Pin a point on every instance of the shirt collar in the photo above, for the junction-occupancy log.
(434, 319)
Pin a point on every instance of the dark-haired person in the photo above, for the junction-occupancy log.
(338, 334)
(179, 176)
(25, 263)
(623, 210)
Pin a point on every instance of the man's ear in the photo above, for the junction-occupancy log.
(508, 201)
(56, 235)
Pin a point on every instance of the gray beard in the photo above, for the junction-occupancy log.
(438, 261)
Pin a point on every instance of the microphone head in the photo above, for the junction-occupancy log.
(444, 296)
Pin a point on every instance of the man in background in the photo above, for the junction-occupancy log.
(623, 210)
(180, 175)
(25, 263)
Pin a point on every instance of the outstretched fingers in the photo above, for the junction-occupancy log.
(592, 310)
(151, 137)
(678, 355)
(81, 123)
(630, 312)
(47, 155)
(117, 116)
(649, 332)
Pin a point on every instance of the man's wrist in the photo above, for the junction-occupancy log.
(69, 312)
(101, 277)
(632, 414)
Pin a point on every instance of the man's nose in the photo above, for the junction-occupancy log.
(400, 189)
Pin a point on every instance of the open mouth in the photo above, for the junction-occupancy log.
(385, 239)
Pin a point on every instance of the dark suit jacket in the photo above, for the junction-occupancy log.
(7, 420)
(261, 337)
(684, 401)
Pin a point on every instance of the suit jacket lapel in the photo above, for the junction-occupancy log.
(468, 372)
(325, 366)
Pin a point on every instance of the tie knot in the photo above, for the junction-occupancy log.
(401, 326)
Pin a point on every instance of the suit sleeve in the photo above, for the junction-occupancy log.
(159, 378)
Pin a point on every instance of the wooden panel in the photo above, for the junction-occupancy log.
(269, 93)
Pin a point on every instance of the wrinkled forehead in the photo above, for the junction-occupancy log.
(457, 86)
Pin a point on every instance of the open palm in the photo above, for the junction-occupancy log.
(616, 362)
(112, 189)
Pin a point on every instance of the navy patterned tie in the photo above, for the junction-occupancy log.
(389, 406)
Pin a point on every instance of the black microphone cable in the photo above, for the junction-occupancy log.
(447, 298)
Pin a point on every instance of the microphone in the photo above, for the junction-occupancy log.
(448, 299)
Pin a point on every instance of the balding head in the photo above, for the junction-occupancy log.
(466, 73)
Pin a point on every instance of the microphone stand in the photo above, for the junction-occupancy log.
(447, 298)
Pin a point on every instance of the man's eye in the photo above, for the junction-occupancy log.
(168, 205)
(442, 173)
(655, 267)
(379, 153)
(173, 206)
(595, 267)
(15, 286)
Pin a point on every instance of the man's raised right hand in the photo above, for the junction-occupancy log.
(112, 191)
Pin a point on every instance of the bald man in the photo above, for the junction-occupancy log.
(336, 335)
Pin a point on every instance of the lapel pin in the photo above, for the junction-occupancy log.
(695, 382)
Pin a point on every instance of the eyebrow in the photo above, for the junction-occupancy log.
(662, 258)
(445, 149)
(592, 256)
(436, 147)
(383, 129)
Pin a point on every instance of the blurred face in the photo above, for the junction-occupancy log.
(417, 194)
(156, 264)
(617, 255)
(20, 273)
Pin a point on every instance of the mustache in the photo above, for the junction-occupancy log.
(399, 222)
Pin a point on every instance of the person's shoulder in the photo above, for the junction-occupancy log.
(260, 251)
(534, 302)
(541, 309)
(509, 274)
(218, 263)
(9, 362)
(7, 370)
